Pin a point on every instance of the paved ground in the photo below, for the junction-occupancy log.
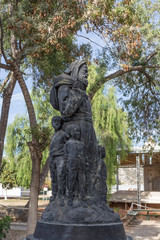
(144, 230)
(131, 196)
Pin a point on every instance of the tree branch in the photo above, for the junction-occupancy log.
(151, 56)
(152, 66)
(89, 40)
(147, 76)
(44, 173)
(6, 67)
(2, 48)
(96, 86)
(5, 82)
(150, 79)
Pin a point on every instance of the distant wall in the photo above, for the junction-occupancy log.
(152, 177)
(15, 192)
(128, 176)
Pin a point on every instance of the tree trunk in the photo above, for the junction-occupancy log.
(5, 195)
(27, 98)
(34, 187)
(35, 152)
(4, 113)
(43, 175)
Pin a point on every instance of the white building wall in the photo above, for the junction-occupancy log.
(128, 176)
(128, 179)
(15, 192)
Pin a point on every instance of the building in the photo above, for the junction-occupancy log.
(138, 178)
(149, 178)
(14, 192)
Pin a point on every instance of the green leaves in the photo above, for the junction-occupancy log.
(110, 123)
(7, 177)
(19, 134)
(4, 226)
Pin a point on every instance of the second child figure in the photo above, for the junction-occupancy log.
(74, 154)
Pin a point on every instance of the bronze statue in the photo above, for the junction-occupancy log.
(78, 209)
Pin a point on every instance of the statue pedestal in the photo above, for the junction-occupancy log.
(56, 231)
(95, 222)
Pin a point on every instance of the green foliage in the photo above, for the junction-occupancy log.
(4, 226)
(19, 134)
(111, 126)
(129, 28)
(7, 177)
(131, 32)
(38, 25)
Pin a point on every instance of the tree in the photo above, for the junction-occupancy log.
(18, 136)
(131, 31)
(7, 178)
(110, 123)
(30, 29)
(25, 27)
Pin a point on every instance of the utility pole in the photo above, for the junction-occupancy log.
(117, 180)
(138, 181)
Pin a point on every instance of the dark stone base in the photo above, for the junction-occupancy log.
(55, 231)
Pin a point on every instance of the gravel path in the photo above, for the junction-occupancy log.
(15, 235)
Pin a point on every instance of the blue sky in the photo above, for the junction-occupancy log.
(17, 102)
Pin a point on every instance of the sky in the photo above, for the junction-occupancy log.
(17, 101)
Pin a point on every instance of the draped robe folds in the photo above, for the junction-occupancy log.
(76, 108)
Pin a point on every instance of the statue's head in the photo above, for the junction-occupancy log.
(57, 122)
(73, 131)
(76, 77)
(101, 152)
(79, 72)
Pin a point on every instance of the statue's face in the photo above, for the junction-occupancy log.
(56, 124)
(103, 152)
(83, 74)
(63, 93)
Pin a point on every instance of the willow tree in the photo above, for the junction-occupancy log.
(19, 135)
(110, 123)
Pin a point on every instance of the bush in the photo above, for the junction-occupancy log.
(4, 226)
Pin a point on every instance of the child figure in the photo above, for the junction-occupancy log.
(102, 172)
(74, 153)
(57, 160)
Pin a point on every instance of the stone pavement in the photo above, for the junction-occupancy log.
(144, 230)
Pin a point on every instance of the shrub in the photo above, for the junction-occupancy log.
(4, 226)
